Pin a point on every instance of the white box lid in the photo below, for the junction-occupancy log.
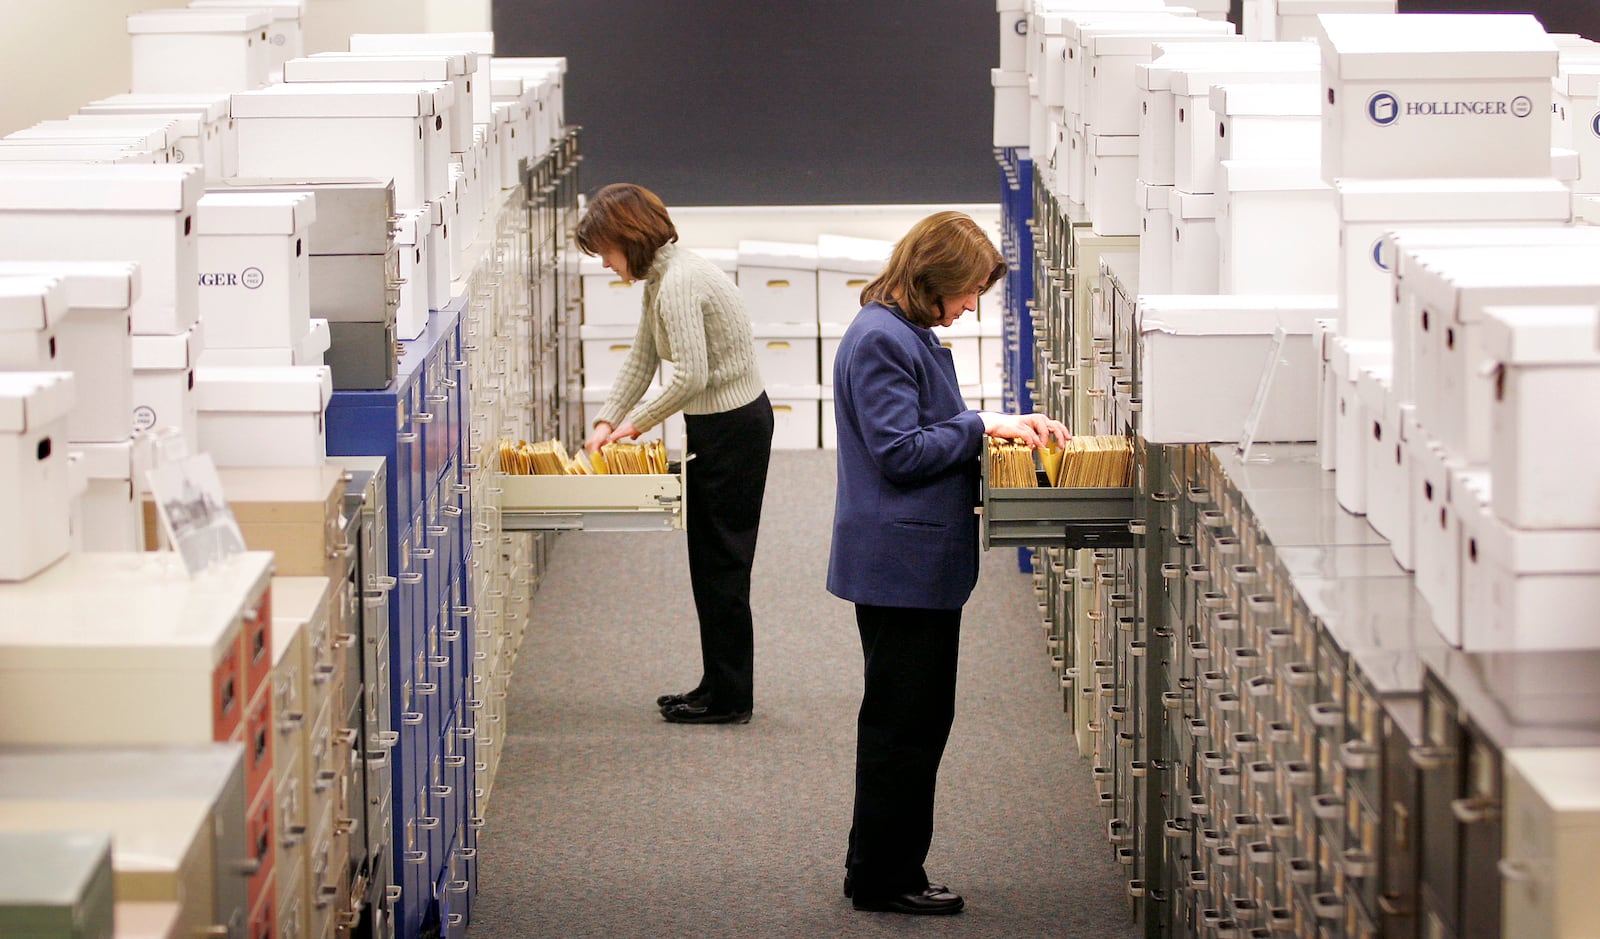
(344, 99)
(789, 255)
(1144, 44)
(280, 9)
(555, 65)
(148, 138)
(725, 258)
(1226, 315)
(1188, 205)
(852, 255)
(1197, 80)
(353, 67)
(68, 187)
(105, 460)
(1080, 28)
(255, 213)
(212, 107)
(1406, 201)
(1151, 198)
(89, 151)
(1542, 335)
(782, 393)
(1476, 46)
(1118, 145)
(299, 388)
(1170, 55)
(481, 43)
(90, 285)
(1007, 78)
(513, 86)
(504, 111)
(1348, 356)
(1579, 79)
(1477, 236)
(29, 400)
(1374, 379)
(1272, 175)
(608, 332)
(1462, 281)
(408, 226)
(30, 302)
(1521, 550)
(1270, 99)
(190, 123)
(176, 351)
(197, 20)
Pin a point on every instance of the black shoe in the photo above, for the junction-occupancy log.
(691, 713)
(849, 885)
(935, 900)
(688, 697)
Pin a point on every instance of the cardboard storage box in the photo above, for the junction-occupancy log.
(163, 382)
(1278, 232)
(192, 50)
(845, 265)
(255, 284)
(788, 353)
(779, 281)
(263, 416)
(608, 300)
(33, 471)
(31, 310)
(425, 67)
(216, 148)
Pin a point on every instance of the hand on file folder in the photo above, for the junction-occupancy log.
(1083, 462)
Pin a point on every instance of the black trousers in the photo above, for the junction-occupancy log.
(907, 707)
(726, 481)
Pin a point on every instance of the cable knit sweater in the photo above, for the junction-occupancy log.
(694, 317)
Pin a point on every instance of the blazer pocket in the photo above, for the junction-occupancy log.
(920, 524)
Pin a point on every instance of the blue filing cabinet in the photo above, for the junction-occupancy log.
(418, 426)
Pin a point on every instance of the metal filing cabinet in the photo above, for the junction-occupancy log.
(177, 817)
(56, 884)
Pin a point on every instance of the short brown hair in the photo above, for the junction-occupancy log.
(944, 255)
(631, 219)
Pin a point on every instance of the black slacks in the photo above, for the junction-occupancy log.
(726, 481)
(907, 707)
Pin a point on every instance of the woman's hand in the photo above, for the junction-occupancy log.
(625, 432)
(600, 435)
(1034, 430)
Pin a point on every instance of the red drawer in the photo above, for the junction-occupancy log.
(228, 697)
(264, 914)
(256, 734)
(255, 637)
(258, 832)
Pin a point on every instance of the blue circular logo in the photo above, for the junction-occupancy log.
(1383, 109)
(1377, 256)
(1594, 124)
(1021, 26)
(1521, 106)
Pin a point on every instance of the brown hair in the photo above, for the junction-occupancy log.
(631, 219)
(944, 255)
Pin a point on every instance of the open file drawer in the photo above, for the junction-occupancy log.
(1050, 515)
(643, 502)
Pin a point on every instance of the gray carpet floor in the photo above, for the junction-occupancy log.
(607, 822)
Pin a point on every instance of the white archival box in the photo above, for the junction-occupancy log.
(1194, 133)
(481, 44)
(1278, 231)
(1436, 536)
(608, 300)
(1155, 242)
(110, 513)
(1108, 192)
(157, 138)
(93, 151)
(31, 310)
(1296, 20)
(1369, 208)
(547, 74)
(962, 338)
(779, 281)
(284, 39)
(1079, 29)
(787, 353)
(1010, 108)
(163, 382)
(455, 68)
(1577, 92)
(1524, 588)
(1346, 360)
(263, 416)
(411, 242)
(1551, 840)
(381, 129)
(1544, 425)
(830, 334)
(1195, 247)
(1385, 475)
(184, 50)
(1435, 94)
(507, 157)
(845, 265)
(142, 214)
(1267, 121)
(1152, 82)
(219, 146)
(605, 348)
(96, 345)
(1395, 245)
(796, 416)
(34, 501)
(255, 289)
(1452, 287)
(1221, 343)
(1111, 99)
(1013, 33)
(522, 94)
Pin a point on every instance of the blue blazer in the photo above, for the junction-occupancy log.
(904, 531)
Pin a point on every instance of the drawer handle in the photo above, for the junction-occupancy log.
(777, 345)
(438, 531)
(1475, 810)
(411, 718)
(1431, 758)
(443, 791)
(427, 822)
(411, 578)
(453, 511)
(407, 437)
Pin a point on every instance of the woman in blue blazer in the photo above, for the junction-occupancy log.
(905, 541)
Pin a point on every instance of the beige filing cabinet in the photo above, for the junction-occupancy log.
(127, 648)
(290, 817)
(1552, 843)
(176, 815)
(147, 919)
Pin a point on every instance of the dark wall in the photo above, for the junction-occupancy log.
(715, 102)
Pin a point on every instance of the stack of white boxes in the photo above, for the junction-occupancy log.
(779, 283)
(205, 126)
(845, 265)
(1296, 20)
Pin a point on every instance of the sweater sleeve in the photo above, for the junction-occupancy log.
(634, 378)
(678, 310)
